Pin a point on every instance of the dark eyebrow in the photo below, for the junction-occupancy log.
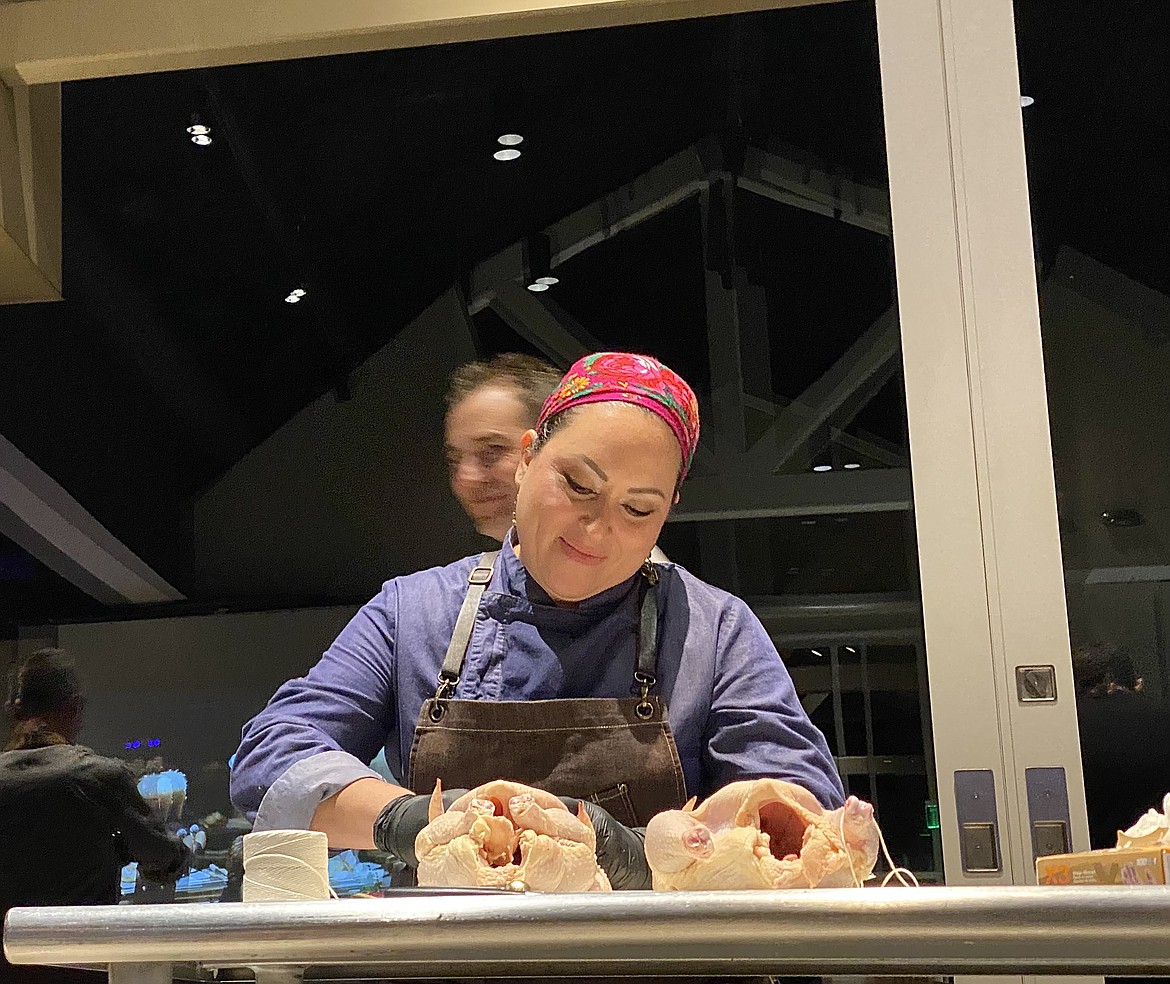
(596, 467)
(605, 478)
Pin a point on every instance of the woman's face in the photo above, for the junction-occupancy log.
(593, 499)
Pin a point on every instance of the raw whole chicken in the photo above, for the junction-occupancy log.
(503, 833)
(762, 833)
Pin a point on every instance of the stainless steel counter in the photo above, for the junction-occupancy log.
(1025, 930)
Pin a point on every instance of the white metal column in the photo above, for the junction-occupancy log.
(989, 549)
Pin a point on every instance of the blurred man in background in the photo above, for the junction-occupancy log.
(489, 406)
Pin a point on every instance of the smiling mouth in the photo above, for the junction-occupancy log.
(579, 555)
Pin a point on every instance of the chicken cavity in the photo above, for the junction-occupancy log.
(503, 833)
(762, 833)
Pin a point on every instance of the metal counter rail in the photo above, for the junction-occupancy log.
(1021, 930)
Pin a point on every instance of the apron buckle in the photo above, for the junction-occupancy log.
(447, 682)
(644, 709)
(480, 575)
(446, 689)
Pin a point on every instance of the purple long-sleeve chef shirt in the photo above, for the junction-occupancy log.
(731, 704)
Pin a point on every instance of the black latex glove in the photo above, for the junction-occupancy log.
(621, 850)
(401, 821)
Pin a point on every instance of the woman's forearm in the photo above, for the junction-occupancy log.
(348, 817)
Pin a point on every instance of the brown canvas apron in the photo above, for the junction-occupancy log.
(617, 752)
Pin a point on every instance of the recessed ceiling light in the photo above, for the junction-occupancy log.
(548, 281)
(198, 130)
(537, 287)
(510, 139)
(295, 295)
(201, 139)
(508, 154)
(822, 468)
(852, 466)
(1026, 101)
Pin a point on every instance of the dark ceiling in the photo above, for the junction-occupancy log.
(368, 180)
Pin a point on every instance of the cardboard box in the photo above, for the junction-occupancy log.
(1115, 866)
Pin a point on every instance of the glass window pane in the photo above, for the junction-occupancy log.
(1097, 151)
(267, 320)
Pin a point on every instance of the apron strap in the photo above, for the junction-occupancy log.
(647, 667)
(477, 580)
(648, 631)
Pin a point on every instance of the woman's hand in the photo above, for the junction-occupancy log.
(621, 851)
(402, 820)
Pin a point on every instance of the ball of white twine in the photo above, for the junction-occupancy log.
(286, 866)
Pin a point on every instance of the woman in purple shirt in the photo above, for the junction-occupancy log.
(552, 661)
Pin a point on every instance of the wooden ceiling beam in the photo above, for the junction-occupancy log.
(62, 40)
(30, 193)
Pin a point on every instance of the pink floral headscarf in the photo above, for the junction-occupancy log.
(627, 378)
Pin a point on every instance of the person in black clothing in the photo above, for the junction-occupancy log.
(69, 818)
(1125, 758)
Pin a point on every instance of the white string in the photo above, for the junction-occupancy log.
(895, 871)
(845, 848)
(286, 865)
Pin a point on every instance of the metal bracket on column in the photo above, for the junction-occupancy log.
(978, 821)
(1048, 813)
